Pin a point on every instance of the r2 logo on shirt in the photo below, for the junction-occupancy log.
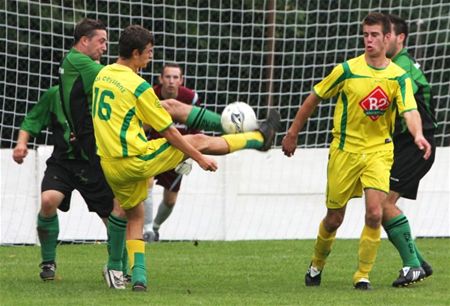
(375, 104)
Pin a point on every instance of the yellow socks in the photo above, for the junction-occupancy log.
(248, 140)
(368, 247)
(322, 248)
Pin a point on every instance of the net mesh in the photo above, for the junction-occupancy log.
(266, 53)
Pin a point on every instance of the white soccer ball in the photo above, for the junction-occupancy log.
(238, 117)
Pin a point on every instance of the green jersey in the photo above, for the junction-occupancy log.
(77, 74)
(422, 94)
(48, 113)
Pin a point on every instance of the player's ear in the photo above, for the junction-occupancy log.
(135, 53)
(84, 40)
(402, 37)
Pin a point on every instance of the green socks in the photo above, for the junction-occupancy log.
(399, 233)
(125, 260)
(419, 256)
(136, 250)
(116, 242)
(48, 230)
(203, 119)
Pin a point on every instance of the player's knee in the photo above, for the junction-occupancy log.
(199, 141)
(333, 220)
(176, 109)
(373, 217)
(49, 204)
(170, 204)
(118, 210)
(388, 205)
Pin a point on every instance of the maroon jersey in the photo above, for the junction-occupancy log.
(185, 95)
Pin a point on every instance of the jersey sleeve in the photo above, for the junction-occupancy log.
(405, 95)
(39, 116)
(88, 70)
(407, 64)
(149, 110)
(331, 84)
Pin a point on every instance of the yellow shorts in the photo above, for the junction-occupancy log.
(350, 173)
(128, 177)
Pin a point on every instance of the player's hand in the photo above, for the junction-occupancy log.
(207, 163)
(72, 137)
(424, 146)
(185, 167)
(289, 144)
(20, 152)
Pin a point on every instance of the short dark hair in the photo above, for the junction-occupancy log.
(87, 27)
(172, 65)
(378, 18)
(134, 37)
(400, 25)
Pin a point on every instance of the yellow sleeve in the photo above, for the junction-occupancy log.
(331, 84)
(150, 111)
(405, 95)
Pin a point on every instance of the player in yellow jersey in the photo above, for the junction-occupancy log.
(369, 88)
(122, 103)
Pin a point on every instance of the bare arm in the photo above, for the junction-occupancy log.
(414, 124)
(21, 149)
(289, 143)
(179, 142)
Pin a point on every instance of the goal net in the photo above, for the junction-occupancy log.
(267, 53)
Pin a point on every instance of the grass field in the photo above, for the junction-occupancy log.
(222, 273)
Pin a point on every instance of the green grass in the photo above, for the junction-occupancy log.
(222, 273)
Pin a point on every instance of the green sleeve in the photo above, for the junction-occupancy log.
(406, 64)
(88, 70)
(39, 116)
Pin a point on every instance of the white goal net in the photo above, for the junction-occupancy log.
(268, 53)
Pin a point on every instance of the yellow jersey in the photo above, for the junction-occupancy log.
(122, 101)
(367, 100)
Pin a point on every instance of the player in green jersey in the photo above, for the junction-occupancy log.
(369, 88)
(409, 167)
(76, 75)
(66, 171)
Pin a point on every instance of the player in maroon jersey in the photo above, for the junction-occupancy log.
(170, 87)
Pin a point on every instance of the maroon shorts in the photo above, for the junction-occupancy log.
(170, 180)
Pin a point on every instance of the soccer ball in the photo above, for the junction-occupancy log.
(238, 117)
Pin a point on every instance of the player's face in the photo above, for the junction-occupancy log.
(392, 43)
(374, 40)
(171, 79)
(146, 56)
(96, 45)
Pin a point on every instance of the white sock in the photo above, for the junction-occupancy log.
(164, 212)
(148, 211)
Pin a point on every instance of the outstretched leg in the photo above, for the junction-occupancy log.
(261, 139)
(193, 116)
